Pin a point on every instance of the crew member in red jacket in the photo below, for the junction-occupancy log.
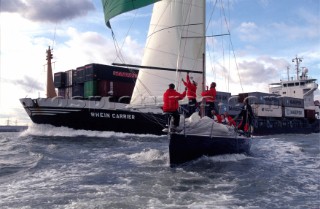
(171, 104)
(230, 120)
(191, 94)
(216, 117)
(210, 97)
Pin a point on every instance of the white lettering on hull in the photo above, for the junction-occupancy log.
(113, 115)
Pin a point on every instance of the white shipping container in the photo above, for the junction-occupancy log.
(234, 110)
(68, 92)
(69, 77)
(294, 112)
(266, 110)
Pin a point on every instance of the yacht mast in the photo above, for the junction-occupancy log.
(204, 47)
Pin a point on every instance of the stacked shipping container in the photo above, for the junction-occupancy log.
(292, 107)
(272, 105)
(96, 80)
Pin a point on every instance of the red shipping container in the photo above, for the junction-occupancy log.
(122, 88)
(104, 88)
(310, 114)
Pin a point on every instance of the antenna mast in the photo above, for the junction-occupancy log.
(50, 87)
(288, 68)
(297, 60)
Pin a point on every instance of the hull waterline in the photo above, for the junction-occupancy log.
(184, 148)
(97, 119)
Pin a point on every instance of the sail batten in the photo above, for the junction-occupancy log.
(168, 46)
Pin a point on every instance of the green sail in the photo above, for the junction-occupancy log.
(113, 8)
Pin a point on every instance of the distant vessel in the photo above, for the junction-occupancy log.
(12, 128)
(290, 107)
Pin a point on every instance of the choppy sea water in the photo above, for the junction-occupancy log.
(47, 167)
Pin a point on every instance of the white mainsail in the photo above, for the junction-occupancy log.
(176, 40)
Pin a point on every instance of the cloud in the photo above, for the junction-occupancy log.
(248, 31)
(29, 84)
(263, 69)
(81, 48)
(12, 6)
(295, 32)
(254, 72)
(48, 10)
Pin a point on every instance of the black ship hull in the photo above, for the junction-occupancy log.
(97, 119)
(270, 126)
(184, 148)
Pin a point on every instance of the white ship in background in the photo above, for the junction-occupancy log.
(302, 87)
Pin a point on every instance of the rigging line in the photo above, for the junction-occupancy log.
(146, 47)
(214, 6)
(180, 30)
(175, 26)
(54, 36)
(207, 28)
(222, 40)
(181, 59)
(202, 44)
(216, 35)
(234, 55)
(0, 58)
(229, 49)
(188, 25)
(183, 45)
(130, 27)
(119, 55)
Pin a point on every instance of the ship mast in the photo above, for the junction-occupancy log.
(288, 68)
(50, 87)
(297, 60)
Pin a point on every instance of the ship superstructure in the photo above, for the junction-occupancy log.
(301, 87)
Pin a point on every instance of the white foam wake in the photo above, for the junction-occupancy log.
(49, 130)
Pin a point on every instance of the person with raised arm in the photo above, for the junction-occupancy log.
(191, 94)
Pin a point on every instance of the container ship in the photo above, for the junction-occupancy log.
(97, 96)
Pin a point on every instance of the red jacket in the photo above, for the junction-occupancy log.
(170, 100)
(210, 95)
(231, 122)
(192, 89)
(218, 118)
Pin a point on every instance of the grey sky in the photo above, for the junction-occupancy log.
(47, 10)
